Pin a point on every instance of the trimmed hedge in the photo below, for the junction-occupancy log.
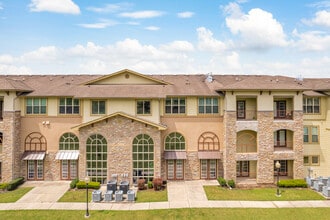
(91, 185)
(3, 186)
(74, 183)
(15, 183)
(222, 181)
(231, 183)
(293, 183)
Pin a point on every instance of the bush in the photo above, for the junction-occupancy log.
(231, 183)
(292, 183)
(74, 183)
(157, 183)
(15, 183)
(3, 186)
(222, 181)
(91, 185)
(150, 186)
(141, 183)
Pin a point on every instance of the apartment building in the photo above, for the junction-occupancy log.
(177, 127)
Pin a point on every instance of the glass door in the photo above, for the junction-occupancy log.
(241, 109)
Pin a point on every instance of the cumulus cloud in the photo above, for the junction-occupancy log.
(207, 42)
(58, 6)
(312, 41)
(185, 14)
(257, 29)
(182, 46)
(46, 53)
(321, 18)
(142, 14)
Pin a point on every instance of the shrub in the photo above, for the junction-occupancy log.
(222, 181)
(74, 183)
(3, 186)
(231, 183)
(15, 183)
(292, 183)
(157, 183)
(91, 185)
(141, 183)
(150, 186)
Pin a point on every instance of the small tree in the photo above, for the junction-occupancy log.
(141, 184)
(157, 182)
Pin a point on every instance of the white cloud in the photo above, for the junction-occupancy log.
(206, 41)
(185, 14)
(99, 25)
(257, 29)
(322, 18)
(111, 8)
(312, 41)
(6, 59)
(47, 53)
(57, 6)
(142, 14)
(152, 28)
(181, 46)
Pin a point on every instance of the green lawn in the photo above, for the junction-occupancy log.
(151, 195)
(260, 194)
(78, 195)
(13, 196)
(205, 213)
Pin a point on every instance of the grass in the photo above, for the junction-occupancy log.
(260, 194)
(13, 196)
(78, 195)
(203, 213)
(150, 195)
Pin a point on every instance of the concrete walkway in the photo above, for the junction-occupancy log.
(185, 194)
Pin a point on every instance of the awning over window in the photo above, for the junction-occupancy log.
(67, 155)
(209, 155)
(33, 155)
(175, 155)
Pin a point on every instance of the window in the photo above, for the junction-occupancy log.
(1, 109)
(208, 106)
(1, 141)
(175, 141)
(313, 160)
(143, 158)
(280, 138)
(69, 106)
(283, 171)
(311, 134)
(36, 105)
(175, 105)
(35, 141)
(69, 141)
(96, 157)
(311, 105)
(98, 107)
(208, 141)
(143, 107)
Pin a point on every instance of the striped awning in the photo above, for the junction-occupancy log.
(175, 155)
(209, 155)
(33, 155)
(67, 155)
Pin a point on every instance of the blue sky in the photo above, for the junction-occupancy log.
(273, 37)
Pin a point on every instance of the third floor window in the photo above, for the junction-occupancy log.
(98, 107)
(36, 106)
(208, 105)
(311, 105)
(69, 106)
(175, 105)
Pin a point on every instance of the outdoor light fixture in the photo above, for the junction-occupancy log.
(87, 181)
(278, 166)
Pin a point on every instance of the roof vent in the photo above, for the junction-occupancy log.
(209, 77)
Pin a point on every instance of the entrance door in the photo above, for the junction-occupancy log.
(241, 109)
(280, 109)
(69, 169)
(242, 169)
(209, 169)
(35, 169)
(175, 170)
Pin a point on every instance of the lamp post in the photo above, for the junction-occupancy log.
(278, 166)
(87, 181)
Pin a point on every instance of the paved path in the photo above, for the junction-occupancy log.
(185, 194)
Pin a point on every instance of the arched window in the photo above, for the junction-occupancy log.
(96, 158)
(69, 141)
(35, 142)
(175, 141)
(143, 157)
(208, 141)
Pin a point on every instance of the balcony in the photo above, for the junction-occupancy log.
(246, 108)
(246, 142)
(283, 108)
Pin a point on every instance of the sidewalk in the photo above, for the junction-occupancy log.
(185, 194)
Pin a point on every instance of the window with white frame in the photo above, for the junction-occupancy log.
(311, 105)
(98, 107)
(175, 105)
(36, 106)
(69, 106)
(208, 105)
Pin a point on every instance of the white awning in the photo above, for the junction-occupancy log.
(34, 155)
(67, 155)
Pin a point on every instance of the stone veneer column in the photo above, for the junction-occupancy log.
(298, 163)
(229, 153)
(11, 156)
(265, 165)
